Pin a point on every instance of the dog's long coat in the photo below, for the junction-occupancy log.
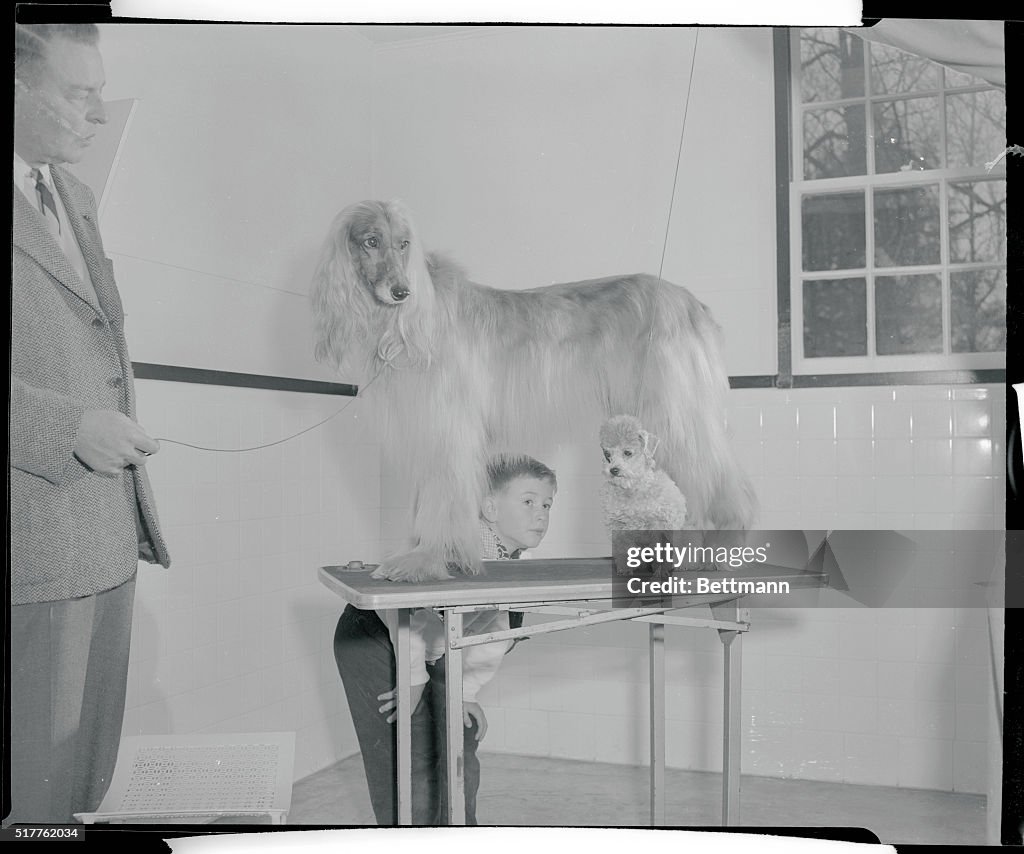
(471, 369)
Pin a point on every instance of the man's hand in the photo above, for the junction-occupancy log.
(109, 441)
(474, 710)
(392, 703)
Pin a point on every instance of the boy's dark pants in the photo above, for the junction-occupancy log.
(366, 663)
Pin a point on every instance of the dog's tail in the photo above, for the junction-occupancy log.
(735, 506)
(683, 401)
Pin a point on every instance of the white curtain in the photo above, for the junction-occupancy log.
(972, 47)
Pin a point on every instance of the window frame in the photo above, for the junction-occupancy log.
(794, 367)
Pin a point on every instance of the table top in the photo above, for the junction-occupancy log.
(536, 580)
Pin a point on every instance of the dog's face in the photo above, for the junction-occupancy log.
(379, 238)
(628, 450)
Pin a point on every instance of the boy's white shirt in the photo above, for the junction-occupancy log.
(426, 637)
(426, 643)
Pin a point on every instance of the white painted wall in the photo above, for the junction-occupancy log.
(543, 154)
(245, 142)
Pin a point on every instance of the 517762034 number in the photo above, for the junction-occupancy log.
(47, 833)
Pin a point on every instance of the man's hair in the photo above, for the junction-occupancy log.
(502, 469)
(32, 44)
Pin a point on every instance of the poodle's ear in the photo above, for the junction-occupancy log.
(647, 439)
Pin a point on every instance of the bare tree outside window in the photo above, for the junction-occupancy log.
(899, 230)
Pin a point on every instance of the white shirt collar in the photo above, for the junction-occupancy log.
(23, 172)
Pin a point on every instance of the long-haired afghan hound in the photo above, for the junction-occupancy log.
(469, 369)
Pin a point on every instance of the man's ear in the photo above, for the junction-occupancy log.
(489, 509)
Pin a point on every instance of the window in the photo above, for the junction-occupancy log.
(898, 229)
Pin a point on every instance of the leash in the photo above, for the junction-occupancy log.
(668, 222)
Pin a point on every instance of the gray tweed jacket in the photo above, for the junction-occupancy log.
(73, 532)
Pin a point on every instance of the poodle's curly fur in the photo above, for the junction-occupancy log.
(636, 494)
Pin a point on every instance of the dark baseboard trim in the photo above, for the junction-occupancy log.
(179, 374)
(978, 377)
(762, 381)
(993, 375)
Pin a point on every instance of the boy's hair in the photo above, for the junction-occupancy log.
(502, 469)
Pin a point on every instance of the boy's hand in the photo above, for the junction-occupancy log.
(474, 710)
(415, 693)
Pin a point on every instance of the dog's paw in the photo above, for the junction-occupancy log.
(416, 565)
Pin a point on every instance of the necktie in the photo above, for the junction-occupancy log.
(47, 206)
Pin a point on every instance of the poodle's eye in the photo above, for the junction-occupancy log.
(371, 242)
(404, 245)
(607, 457)
(627, 453)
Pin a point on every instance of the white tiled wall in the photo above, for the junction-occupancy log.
(874, 457)
(876, 696)
(237, 635)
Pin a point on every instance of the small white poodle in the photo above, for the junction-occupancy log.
(636, 495)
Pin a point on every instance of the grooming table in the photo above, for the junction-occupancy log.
(578, 593)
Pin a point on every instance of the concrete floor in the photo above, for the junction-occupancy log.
(542, 792)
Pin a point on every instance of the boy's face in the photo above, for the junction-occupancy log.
(519, 513)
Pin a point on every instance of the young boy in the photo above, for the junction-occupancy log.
(513, 517)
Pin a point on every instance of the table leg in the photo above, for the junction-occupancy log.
(732, 736)
(453, 716)
(404, 719)
(656, 679)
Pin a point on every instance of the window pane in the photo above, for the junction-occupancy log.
(908, 314)
(833, 231)
(831, 64)
(975, 127)
(956, 79)
(977, 221)
(893, 71)
(978, 311)
(834, 142)
(835, 318)
(907, 135)
(907, 226)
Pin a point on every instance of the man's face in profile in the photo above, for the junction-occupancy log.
(58, 106)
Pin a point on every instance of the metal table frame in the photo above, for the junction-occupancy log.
(728, 617)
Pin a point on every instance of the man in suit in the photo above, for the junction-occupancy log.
(82, 511)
